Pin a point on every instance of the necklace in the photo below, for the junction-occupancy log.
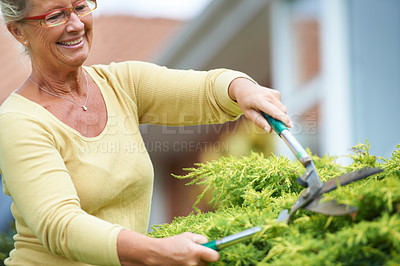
(49, 92)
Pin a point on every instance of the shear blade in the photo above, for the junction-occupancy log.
(348, 178)
(331, 208)
(283, 216)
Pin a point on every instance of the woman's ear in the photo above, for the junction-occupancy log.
(17, 31)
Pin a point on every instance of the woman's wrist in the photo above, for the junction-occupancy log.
(238, 84)
(136, 249)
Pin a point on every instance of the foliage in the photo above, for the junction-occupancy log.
(6, 243)
(251, 191)
(229, 178)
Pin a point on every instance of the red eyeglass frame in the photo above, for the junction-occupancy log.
(43, 17)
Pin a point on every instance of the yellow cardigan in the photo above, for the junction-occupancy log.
(73, 194)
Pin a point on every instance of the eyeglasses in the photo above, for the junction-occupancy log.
(61, 16)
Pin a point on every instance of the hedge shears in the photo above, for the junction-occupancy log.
(310, 197)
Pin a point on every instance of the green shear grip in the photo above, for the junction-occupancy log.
(227, 241)
(211, 244)
(285, 134)
(277, 125)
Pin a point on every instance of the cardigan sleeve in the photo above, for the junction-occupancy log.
(43, 194)
(178, 97)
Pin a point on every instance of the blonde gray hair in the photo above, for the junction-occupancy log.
(14, 10)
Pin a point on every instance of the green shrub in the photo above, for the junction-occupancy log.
(6, 243)
(251, 191)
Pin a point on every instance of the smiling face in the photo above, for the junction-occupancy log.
(63, 46)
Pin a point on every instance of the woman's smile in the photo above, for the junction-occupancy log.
(74, 43)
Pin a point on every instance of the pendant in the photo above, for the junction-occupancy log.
(84, 108)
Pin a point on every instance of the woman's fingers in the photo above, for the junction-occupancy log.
(187, 249)
(205, 253)
(254, 100)
(198, 239)
(274, 109)
(258, 119)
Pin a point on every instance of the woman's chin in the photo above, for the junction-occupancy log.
(77, 60)
(74, 57)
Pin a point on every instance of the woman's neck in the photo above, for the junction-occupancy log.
(60, 82)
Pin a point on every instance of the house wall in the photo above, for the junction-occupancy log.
(358, 87)
(375, 71)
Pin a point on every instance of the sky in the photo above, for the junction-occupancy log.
(172, 9)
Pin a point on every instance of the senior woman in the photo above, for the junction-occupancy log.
(74, 204)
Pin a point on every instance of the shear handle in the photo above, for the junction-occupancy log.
(291, 141)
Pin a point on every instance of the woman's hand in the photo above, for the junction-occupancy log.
(254, 99)
(183, 249)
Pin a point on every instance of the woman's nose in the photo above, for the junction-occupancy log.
(74, 23)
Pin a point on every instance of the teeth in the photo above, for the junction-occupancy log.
(72, 42)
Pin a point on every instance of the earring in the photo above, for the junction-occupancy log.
(25, 43)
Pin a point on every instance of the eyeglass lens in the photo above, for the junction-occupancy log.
(82, 8)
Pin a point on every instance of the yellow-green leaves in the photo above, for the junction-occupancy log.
(251, 191)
